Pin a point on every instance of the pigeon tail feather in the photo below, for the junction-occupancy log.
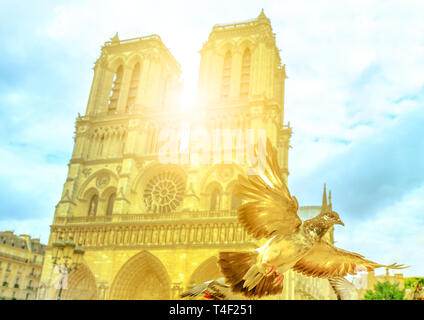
(241, 272)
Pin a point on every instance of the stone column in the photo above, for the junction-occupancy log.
(204, 70)
(96, 86)
(236, 74)
(155, 83)
(104, 92)
(176, 290)
(143, 86)
(215, 79)
(123, 92)
(66, 205)
(260, 70)
(81, 139)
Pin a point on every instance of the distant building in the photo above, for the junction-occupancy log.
(368, 280)
(21, 261)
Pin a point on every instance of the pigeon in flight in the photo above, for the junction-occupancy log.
(212, 290)
(270, 212)
(219, 290)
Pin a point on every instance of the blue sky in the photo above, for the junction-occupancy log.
(354, 98)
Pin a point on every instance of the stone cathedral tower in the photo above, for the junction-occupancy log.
(152, 228)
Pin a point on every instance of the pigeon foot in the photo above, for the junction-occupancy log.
(271, 269)
(279, 279)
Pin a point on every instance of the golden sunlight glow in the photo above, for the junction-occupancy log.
(185, 137)
(163, 160)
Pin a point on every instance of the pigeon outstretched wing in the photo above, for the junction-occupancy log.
(214, 288)
(270, 209)
(326, 261)
(344, 289)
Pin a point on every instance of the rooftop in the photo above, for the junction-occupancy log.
(261, 19)
(23, 242)
(115, 42)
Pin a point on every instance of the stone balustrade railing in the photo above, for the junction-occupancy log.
(150, 37)
(157, 234)
(130, 218)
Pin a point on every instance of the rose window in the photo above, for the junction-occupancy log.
(164, 192)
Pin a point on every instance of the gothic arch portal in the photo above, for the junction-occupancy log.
(208, 270)
(81, 285)
(143, 277)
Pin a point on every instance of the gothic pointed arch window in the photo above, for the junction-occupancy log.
(226, 76)
(110, 203)
(116, 88)
(92, 208)
(215, 200)
(132, 93)
(245, 74)
(235, 201)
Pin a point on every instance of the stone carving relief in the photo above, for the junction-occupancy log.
(102, 181)
(225, 173)
(86, 172)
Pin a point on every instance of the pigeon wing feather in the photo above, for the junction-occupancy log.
(325, 261)
(344, 289)
(217, 288)
(269, 209)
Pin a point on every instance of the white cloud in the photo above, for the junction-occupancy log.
(392, 235)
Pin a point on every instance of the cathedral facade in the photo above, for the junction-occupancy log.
(149, 191)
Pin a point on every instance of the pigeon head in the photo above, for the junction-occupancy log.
(332, 217)
(323, 222)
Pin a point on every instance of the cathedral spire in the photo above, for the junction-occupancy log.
(324, 199)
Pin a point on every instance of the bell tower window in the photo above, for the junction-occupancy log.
(116, 88)
(235, 201)
(132, 94)
(245, 74)
(215, 200)
(226, 76)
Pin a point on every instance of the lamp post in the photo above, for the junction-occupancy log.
(67, 257)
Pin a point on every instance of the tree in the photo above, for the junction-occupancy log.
(385, 291)
(412, 282)
(413, 288)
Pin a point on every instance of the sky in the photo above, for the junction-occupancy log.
(354, 98)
